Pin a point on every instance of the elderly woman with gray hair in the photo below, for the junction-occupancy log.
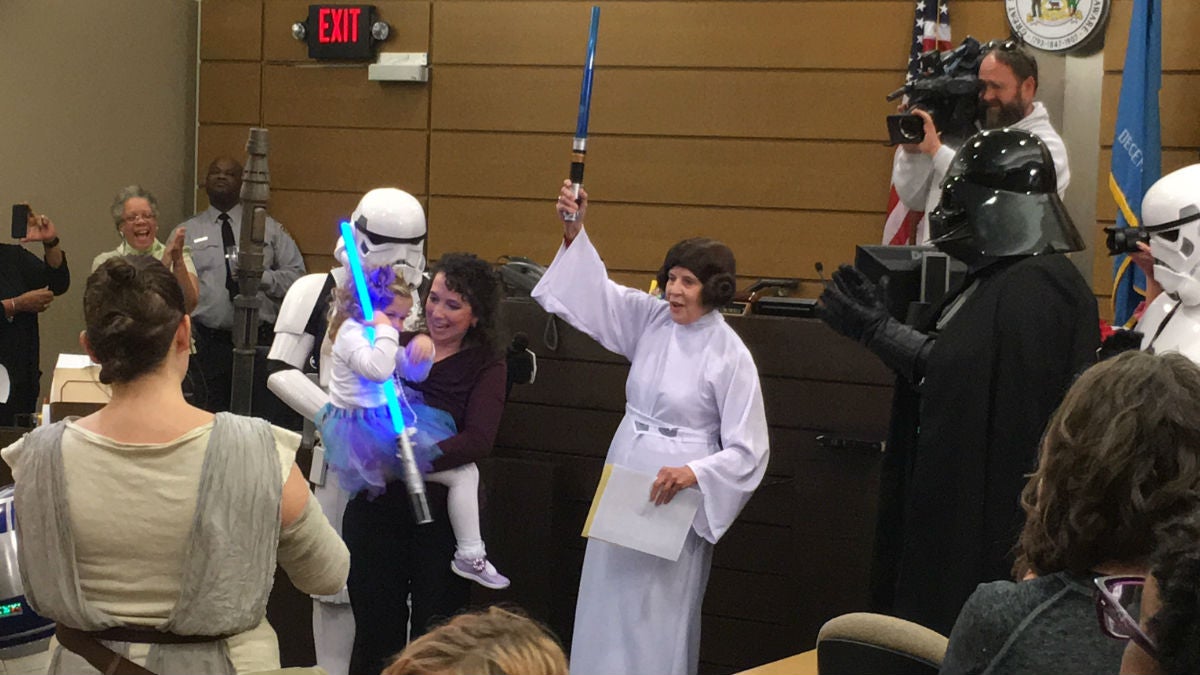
(135, 213)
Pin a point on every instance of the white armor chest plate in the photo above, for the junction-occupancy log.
(1180, 332)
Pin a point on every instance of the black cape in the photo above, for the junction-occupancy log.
(963, 440)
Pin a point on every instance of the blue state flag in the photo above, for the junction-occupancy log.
(1137, 144)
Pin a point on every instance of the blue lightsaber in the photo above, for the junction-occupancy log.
(579, 145)
(412, 476)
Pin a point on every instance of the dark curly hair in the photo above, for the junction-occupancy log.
(1121, 456)
(478, 283)
(713, 264)
(1176, 567)
(131, 309)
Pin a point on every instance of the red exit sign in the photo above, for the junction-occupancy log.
(340, 31)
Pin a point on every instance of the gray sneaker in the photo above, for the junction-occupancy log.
(480, 571)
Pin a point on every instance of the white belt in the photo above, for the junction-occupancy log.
(645, 424)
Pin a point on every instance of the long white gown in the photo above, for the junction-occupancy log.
(693, 398)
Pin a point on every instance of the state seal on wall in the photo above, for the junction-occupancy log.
(1057, 25)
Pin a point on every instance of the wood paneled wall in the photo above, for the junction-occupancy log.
(760, 123)
(1179, 103)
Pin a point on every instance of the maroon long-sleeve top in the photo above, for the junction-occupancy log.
(470, 386)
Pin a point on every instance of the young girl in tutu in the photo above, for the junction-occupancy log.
(356, 428)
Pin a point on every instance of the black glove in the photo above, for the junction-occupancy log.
(856, 308)
(852, 305)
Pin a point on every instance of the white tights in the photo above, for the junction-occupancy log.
(462, 505)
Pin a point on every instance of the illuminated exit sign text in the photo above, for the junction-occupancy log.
(340, 31)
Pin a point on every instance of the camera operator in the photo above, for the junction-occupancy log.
(27, 287)
(1008, 79)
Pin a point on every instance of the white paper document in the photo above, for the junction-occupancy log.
(623, 514)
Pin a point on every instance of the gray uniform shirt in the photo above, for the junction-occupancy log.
(282, 265)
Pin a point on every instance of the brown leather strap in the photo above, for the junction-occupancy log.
(151, 636)
(102, 658)
(87, 644)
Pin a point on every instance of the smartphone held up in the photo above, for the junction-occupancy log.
(21, 215)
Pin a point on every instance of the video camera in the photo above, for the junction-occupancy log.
(946, 87)
(1125, 239)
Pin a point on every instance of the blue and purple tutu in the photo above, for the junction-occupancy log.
(360, 443)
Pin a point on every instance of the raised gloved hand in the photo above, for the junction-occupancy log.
(856, 308)
(852, 305)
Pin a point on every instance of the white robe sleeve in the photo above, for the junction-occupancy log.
(375, 362)
(729, 477)
(576, 287)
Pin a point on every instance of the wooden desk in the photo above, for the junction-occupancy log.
(804, 663)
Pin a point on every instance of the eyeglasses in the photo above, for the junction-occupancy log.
(135, 217)
(1113, 595)
(1003, 45)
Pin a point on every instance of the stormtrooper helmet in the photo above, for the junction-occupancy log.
(389, 228)
(1171, 216)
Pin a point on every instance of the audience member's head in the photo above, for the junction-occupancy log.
(1171, 603)
(133, 310)
(491, 642)
(135, 212)
(223, 183)
(1120, 457)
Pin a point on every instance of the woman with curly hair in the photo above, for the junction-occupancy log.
(356, 427)
(1170, 605)
(396, 561)
(1120, 457)
(693, 419)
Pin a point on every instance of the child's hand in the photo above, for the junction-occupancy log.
(380, 319)
(419, 349)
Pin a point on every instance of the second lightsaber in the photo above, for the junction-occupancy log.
(412, 476)
(579, 145)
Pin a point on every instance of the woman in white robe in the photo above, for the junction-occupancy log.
(693, 418)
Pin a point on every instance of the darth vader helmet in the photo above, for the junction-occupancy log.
(389, 228)
(1171, 215)
(999, 199)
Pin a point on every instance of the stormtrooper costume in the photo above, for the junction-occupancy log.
(389, 228)
(1171, 215)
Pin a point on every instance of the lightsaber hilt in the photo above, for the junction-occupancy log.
(413, 481)
(578, 154)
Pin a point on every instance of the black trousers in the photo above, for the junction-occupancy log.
(391, 559)
(210, 375)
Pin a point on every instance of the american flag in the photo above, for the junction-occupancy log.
(931, 30)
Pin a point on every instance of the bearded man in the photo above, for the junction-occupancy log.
(1008, 79)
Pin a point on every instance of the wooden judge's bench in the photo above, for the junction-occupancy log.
(798, 555)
